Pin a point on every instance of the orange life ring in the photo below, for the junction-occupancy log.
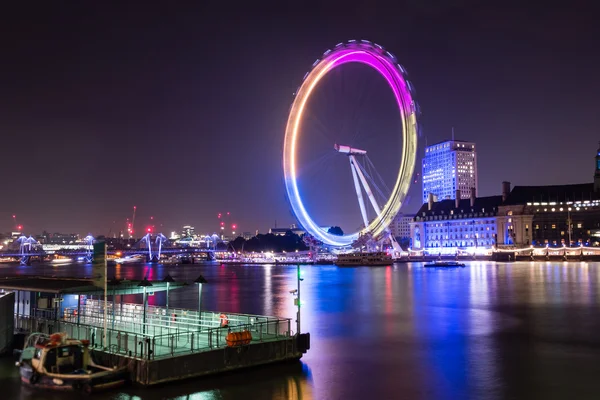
(235, 339)
(224, 320)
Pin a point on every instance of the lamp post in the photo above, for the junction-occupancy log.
(168, 279)
(200, 280)
(144, 284)
(298, 301)
(113, 283)
(569, 224)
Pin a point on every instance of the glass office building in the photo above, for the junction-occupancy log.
(447, 167)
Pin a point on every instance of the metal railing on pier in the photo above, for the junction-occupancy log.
(178, 332)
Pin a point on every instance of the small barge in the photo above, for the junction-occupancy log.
(364, 259)
(56, 362)
(154, 344)
(445, 264)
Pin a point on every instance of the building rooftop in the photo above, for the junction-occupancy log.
(450, 140)
(552, 193)
(519, 195)
(487, 204)
(284, 230)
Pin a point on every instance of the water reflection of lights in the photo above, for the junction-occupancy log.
(268, 291)
(388, 290)
(283, 382)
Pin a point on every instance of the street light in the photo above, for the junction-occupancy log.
(168, 279)
(200, 280)
(144, 284)
(114, 282)
(296, 292)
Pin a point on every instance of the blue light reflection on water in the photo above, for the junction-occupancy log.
(490, 330)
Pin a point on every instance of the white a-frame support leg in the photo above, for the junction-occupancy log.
(361, 201)
(357, 175)
(354, 163)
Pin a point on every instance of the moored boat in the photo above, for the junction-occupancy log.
(130, 259)
(364, 259)
(61, 260)
(445, 264)
(55, 362)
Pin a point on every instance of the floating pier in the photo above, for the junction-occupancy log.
(157, 344)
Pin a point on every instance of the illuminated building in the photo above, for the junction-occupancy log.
(400, 226)
(554, 216)
(62, 238)
(188, 231)
(458, 223)
(561, 214)
(447, 167)
(282, 231)
(247, 235)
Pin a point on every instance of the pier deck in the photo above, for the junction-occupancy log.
(159, 344)
(177, 332)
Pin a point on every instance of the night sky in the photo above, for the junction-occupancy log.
(181, 110)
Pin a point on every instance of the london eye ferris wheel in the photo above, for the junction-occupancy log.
(386, 65)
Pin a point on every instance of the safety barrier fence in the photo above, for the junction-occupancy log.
(155, 339)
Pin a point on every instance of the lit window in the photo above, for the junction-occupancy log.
(553, 226)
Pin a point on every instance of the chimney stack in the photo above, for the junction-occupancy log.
(505, 190)
(473, 194)
(430, 201)
(457, 198)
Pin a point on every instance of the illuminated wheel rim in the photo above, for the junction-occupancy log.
(385, 63)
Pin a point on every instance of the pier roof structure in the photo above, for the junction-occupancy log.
(81, 286)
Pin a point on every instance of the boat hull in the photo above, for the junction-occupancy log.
(379, 259)
(377, 264)
(86, 383)
(444, 265)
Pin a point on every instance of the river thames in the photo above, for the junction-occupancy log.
(487, 331)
